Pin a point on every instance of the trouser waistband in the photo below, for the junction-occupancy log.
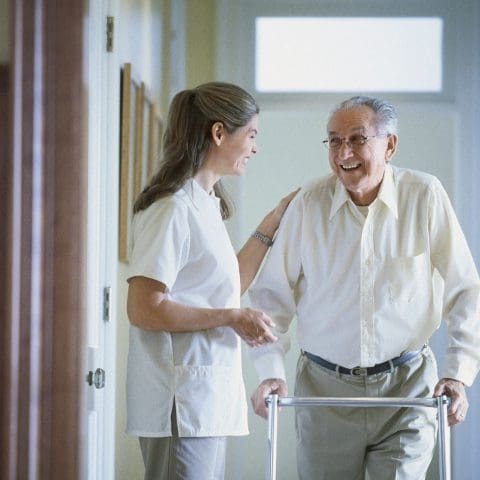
(364, 371)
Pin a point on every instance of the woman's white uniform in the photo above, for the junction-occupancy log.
(181, 241)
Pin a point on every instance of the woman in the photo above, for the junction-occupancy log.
(185, 392)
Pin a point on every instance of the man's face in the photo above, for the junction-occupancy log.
(359, 167)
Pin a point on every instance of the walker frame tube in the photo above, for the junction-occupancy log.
(273, 402)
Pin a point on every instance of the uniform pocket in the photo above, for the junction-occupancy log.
(210, 400)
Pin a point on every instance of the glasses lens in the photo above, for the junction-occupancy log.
(357, 140)
(334, 142)
(354, 141)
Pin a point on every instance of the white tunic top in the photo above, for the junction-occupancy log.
(362, 287)
(182, 242)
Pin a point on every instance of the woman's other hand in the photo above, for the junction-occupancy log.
(279, 210)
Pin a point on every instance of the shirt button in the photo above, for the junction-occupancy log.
(368, 262)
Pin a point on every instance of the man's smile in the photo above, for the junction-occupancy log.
(350, 166)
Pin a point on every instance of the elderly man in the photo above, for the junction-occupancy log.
(354, 260)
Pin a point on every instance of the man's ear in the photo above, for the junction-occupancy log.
(218, 132)
(391, 147)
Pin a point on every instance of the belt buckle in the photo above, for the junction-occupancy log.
(359, 371)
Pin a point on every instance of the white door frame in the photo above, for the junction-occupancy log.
(102, 239)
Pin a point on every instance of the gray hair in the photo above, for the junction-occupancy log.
(386, 120)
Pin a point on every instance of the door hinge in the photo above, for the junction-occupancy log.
(107, 293)
(109, 34)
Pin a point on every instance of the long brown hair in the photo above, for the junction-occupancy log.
(187, 137)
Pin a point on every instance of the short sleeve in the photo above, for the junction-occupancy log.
(160, 242)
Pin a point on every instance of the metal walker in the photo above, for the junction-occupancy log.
(440, 403)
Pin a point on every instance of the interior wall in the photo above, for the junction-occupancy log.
(200, 42)
(139, 28)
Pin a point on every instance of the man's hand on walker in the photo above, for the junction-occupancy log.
(455, 390)
(267, 387)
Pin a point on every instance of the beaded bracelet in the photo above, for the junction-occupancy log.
(263, 238)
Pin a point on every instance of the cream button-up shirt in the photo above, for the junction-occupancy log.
(182, 242)
(361, 286)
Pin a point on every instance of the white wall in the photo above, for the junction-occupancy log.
(139, 34)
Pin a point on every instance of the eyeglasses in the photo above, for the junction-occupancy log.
(354, 141)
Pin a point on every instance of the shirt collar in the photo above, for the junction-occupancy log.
(199, 197)
(388, 191)
(340, 198)
(386, 194)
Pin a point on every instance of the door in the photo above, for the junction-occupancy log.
(101, 85)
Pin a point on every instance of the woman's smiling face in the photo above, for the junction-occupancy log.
(237, 148)
(359, 168)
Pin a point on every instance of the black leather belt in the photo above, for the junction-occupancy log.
(364, 371)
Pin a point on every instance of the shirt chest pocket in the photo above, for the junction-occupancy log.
(408, 281)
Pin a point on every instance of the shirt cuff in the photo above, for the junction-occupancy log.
(269, 365)
(460, 367)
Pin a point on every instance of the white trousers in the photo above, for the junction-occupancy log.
(379, 443)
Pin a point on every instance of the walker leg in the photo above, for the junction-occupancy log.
(272, 402)
(443, 438)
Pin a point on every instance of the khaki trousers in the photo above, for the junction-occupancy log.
(342, 443)
(183, 458)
